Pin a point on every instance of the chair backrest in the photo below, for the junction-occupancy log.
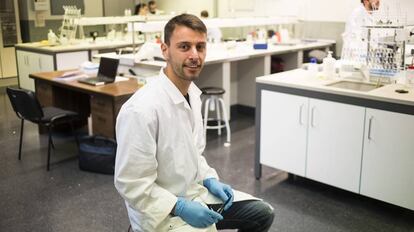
(25, 104)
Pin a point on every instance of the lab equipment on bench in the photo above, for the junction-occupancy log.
(329, 66)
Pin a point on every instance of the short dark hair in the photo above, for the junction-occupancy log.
(186, 20)
(150, 3)
(204, 14)
(138, 7)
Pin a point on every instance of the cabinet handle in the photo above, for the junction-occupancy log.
(300, 114)
(369, 127)
(40, 64)
(312, 116)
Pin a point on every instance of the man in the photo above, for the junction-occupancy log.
(353, 35)
(152, 5)
(160, 171)
(141, 9)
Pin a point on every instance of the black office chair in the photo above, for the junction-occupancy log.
(27, 107)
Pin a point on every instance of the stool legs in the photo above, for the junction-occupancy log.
(217, 103)
(221, 113)
(226, 120)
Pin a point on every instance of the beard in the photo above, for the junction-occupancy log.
(188, 71)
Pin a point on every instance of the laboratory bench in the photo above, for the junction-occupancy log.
(357, 140)
(234, 66)
(41, 57)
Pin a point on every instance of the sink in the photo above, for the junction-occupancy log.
(358, 86)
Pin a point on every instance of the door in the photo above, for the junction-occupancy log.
(388, 160)
(335, 143)
(283, 131)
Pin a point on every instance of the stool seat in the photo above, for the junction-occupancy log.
(213, 91)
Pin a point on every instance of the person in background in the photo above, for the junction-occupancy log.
(360, 16)
(141, 9)
(160, 170)
(152, 5)
(213, 33)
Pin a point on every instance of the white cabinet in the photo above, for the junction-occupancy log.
(283, 131)
(30, 62)
(388, 161)
(321, 140)
(335, 143)
(360, 149)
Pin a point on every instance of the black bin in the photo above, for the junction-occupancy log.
(97, 154)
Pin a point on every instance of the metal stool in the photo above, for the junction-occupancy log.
(213, 102)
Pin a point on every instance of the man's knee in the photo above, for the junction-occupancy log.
(268, 214)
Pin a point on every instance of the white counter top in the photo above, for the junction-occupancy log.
(300, 79)
(76, 46)
(227, 52)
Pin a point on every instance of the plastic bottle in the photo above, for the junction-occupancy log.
(329, 66)
(51, 37)
(313, 68)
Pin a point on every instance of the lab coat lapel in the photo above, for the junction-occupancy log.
(179, 100)
(194, 92)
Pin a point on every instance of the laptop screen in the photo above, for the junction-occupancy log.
(107, 69)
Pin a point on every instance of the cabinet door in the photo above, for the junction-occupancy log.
(41, 63)
(24, 69)
(283, 131)
(335, 141)
(30, 62)
(388, 160)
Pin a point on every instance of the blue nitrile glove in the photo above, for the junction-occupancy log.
(195, 214)
(220, 190)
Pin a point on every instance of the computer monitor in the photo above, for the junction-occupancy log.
(107, 69)
(106, 73)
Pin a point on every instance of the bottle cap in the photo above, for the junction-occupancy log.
(313, 60)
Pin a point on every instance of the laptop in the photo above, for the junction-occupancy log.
(106, 73)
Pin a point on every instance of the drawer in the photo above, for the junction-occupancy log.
(103, 124)
(44, 93)
(101, 104)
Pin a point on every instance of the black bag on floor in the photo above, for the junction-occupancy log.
(97, 154)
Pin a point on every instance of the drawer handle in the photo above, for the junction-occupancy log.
(369, 127)
(300, 114)
(312, 116)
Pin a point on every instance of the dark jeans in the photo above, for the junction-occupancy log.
(251, 216)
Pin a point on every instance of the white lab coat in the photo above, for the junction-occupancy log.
(159, 156)
(354, 31)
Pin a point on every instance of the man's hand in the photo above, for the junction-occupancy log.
(195, 214)
(220, 190)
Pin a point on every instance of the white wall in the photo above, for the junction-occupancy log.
(93, 8)
(186, 6)
(328, 10)
(237, 8)
(308, 10)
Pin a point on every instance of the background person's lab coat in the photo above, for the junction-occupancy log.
(159, 155)
(354, 31)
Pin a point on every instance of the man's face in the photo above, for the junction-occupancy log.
(152, 8)
(373, 4)
(186, 53)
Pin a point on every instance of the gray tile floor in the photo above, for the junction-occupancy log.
(67, 199)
